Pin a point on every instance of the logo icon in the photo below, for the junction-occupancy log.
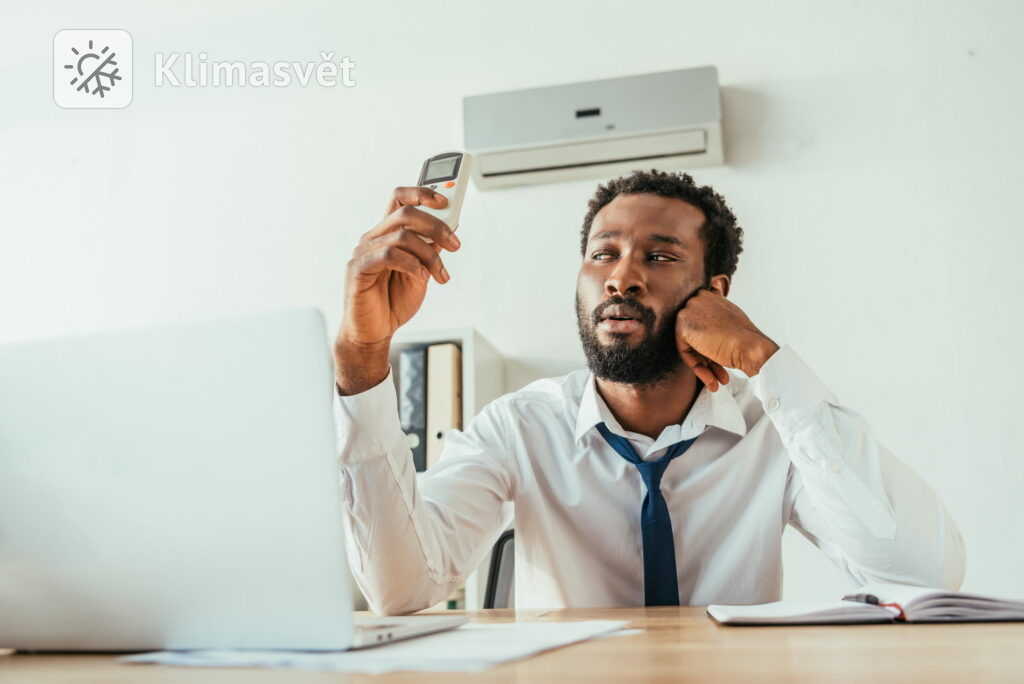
(92, 69)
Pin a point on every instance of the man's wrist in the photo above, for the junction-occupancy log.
(359, 367)
(758, 353)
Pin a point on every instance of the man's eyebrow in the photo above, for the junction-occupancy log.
(653, 237)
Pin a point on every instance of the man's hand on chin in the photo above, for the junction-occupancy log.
(713, 334)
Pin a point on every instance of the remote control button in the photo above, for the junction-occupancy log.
(450, 184)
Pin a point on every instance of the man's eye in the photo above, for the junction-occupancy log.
(653, 256)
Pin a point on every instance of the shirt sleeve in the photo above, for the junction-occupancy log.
(866, 510)
(412, 538)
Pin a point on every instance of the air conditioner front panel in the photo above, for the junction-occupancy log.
(670, 120)
(592, 153)
(631, 105)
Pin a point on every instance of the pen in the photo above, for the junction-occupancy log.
(862, 598)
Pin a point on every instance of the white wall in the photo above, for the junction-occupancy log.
(873, 158)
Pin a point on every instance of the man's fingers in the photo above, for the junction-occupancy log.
(690, 357)
(701, 368)
(720, 373)
(419, 222)
(696, 363)
(413, 197)
(708, 378)
(389, 258)
(408, 241)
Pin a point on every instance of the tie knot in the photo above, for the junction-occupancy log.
(650, 471)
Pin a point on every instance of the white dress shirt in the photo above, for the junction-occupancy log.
(774, 449)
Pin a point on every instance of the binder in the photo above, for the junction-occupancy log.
(412, 402)
(444, 396)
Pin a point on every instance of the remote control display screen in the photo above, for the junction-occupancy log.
(441, 169)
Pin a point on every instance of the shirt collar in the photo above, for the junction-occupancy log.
(712, 409)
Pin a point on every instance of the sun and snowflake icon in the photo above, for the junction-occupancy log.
(92, 68)
(97, 66)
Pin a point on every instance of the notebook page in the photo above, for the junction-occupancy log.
(801, 612)
(927, 603)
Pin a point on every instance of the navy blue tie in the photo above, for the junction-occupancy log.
(661, 583)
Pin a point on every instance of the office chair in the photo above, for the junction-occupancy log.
(501, 585)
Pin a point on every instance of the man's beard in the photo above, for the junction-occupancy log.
(649, 361)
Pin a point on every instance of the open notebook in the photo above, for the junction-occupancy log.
(876, 603)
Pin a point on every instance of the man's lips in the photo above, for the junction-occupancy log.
(621, 311)
(620, 318)
(614, 325)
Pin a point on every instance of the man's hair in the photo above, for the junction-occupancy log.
(723, 238)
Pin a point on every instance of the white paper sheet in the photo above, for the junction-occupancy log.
(469, 648)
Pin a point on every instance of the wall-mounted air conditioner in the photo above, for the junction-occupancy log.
(667, 120)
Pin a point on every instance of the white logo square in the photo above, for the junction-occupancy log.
(92, 69)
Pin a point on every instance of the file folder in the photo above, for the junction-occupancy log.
(444, 396)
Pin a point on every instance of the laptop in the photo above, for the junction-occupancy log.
(177, 488)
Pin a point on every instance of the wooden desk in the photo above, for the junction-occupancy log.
(678, 645)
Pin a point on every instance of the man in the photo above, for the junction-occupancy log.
(654, 479)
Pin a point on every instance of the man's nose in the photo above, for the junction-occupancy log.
(625, 279)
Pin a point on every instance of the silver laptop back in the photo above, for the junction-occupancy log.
(172, 488)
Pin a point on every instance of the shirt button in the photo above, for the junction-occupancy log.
(773, 404)
(835, 466)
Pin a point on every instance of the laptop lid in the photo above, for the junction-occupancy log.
(172, 488)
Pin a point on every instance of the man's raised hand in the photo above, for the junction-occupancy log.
(713, 334)
(386, 282)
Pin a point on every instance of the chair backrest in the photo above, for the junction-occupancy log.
(501, 579)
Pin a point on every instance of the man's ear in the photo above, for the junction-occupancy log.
(720, 284)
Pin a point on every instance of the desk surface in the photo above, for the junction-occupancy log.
(678, 644)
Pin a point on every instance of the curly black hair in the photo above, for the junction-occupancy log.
(723, 238)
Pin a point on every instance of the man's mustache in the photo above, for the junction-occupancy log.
(647, 314)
